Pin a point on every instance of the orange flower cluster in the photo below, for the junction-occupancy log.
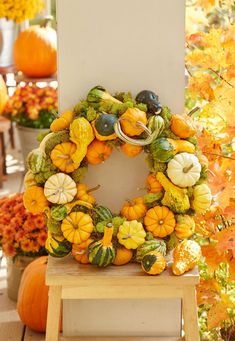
(29, 100)
(21, 233)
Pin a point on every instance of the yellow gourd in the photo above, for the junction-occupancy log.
(131, 234)
(77, 227)
(62, 122)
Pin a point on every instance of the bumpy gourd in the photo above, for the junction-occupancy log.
(160, 221)
(102, 252)
(77, 227)
(60, 189)
(186, 256)
(175, 198)
(148, 246)
(134, 209)
(131, 234)
(153, 263)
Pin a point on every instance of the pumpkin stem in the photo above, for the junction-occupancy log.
(48, 19)
(93, 189)
(187, 169)
(108, 234)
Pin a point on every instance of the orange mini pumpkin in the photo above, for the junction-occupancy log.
(160, 221)
(97, 152)
(61, 156)
(131, 150)
(135, 209)
(84, 193)
(80, 252)
(123, 256)
(132, 121)
(182, 126)
(153, 184)
(34, 199)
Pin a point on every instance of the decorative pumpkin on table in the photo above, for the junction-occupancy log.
(146, 226)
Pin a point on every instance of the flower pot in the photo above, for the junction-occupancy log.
(8, 34)
(28, 139)
(15, 270)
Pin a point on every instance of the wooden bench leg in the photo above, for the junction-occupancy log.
(53, 313)
(190, 314)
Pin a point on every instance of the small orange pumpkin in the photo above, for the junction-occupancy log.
(80, 252)
(26, 56)
(3, 94)
(34, 199)
(33, 295)
(132, 120)
(97, 152)
(135, 209)
(131, 150)
(61, 156)
(123, 256)
(84, 193)
(160, 221)
(153, 184)
(182, 126)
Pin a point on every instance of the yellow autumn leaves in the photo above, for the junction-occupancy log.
(20, 10)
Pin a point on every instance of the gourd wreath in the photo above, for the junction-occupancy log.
(146, 227)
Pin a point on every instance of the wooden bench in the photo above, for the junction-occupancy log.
(69, 280)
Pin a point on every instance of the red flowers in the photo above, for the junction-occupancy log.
(20, 232)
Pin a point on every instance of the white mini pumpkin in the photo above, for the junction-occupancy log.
(60, 189)
(201, 198)
(184, 169)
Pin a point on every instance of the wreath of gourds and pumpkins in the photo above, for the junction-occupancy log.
(147, 226)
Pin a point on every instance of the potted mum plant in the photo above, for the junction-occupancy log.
(33, 109)
(22, 238)
(13, 13)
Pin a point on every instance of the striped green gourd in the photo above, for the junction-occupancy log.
(103, 252)
(103, 213)
(150, 245)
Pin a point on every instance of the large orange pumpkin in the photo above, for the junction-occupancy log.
(35, 51)
(33, 295)
(3, 94)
